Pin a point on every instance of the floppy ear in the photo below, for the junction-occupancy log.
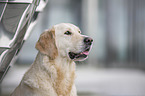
(46, 44)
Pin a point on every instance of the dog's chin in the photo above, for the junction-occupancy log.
(79, 56)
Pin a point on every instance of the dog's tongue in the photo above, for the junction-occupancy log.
(86, 52)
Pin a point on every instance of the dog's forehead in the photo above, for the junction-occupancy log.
(66, 26)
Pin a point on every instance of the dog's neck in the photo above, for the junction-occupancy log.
(61, 71)
(61, 62)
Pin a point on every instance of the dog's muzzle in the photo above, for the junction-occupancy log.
(83, 54)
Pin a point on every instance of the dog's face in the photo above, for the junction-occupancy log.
(66, 41)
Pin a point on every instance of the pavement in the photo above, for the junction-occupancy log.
(90, 81)
(111, 82)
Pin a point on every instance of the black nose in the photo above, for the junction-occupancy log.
(88, 40)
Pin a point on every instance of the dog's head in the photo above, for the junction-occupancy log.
(66, 41)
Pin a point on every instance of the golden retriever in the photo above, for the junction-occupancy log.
(53, 71)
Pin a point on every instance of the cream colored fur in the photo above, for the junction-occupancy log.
(53, 72)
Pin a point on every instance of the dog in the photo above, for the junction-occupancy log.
(53, 71)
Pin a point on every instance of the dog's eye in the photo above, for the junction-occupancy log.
(79, 31)
(68, 33)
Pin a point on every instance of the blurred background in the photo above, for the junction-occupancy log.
(116, 64)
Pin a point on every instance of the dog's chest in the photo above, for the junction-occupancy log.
(64, 82)
(57, 82)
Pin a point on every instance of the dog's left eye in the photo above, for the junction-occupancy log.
(68, 33)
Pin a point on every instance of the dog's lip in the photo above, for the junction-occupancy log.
(84, 53)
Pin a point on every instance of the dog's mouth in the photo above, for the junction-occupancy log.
(79, 56)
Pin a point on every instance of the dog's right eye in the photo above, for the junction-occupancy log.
(68, 33)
